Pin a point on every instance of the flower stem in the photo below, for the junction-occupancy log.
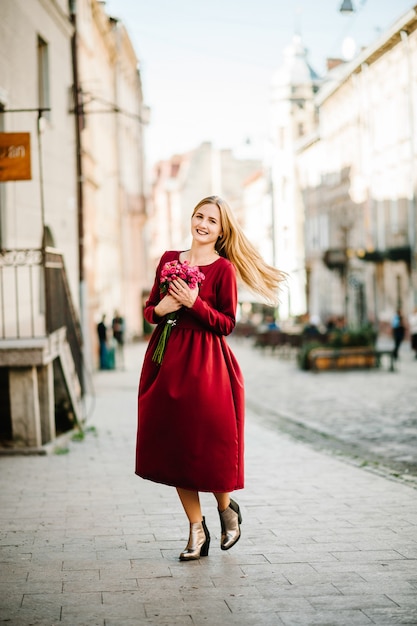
(159, 351)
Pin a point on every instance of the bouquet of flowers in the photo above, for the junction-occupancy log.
(172, 271)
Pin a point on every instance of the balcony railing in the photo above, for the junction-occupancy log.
(35, 299)
(22, 294)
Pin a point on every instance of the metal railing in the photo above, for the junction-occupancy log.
(60, 310)
(35, 299)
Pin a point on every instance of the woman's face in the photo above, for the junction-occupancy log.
(206, 224)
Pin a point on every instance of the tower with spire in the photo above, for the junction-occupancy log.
(293, 120)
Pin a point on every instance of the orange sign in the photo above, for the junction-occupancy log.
(15, 156)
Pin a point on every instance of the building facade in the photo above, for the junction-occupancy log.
(72, 229)
(41, 378)
(358, 178)
(35, 88)
(293, 116)
(182, 181)
(113, 169)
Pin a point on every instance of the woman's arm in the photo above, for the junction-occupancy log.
(221, 319)
(157, 306)
(154, 298)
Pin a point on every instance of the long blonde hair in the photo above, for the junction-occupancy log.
(233, 244)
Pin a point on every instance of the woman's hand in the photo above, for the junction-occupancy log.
(182, 293)
(168, 304)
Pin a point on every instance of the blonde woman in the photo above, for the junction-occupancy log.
(191, 399)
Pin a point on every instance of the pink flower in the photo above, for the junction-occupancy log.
(170, 272)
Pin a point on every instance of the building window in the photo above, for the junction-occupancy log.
(380, 224)
(2, 192)
(284, 189)
(43, 77)
(394, 215)
(281, 137)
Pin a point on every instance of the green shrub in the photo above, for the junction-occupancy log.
(365, 336)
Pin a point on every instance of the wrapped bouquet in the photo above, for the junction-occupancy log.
(170, 272)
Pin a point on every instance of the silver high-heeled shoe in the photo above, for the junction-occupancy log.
(198, 542)
(230, 520)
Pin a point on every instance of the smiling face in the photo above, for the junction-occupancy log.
(206, 224)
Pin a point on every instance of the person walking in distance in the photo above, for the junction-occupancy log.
(102, 340)
(413, 330)
(398, 331)
(118, 328)
(191, 390)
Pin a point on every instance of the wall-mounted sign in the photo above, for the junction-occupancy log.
(15, 156)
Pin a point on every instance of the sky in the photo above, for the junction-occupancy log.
(207, 65)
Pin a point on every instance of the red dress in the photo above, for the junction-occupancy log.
(191, 407)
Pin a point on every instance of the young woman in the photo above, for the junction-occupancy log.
(191, 404)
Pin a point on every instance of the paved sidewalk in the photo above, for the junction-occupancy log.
(85, 542)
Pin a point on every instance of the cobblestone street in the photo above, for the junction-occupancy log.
(84, 542)
(370, 415)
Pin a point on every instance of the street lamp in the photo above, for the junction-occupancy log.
(346, 7)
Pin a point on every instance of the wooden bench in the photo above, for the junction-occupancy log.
(269, 339)
(286, 343)
(342, 358)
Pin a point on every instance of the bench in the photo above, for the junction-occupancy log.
(343, 358)
(269, 339)
(286, 343)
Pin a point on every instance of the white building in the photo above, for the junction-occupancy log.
(72, 235)
(292, 117)
(35, 72)
(358, 177)
(40, 344)
(113, 169)
(181, 182)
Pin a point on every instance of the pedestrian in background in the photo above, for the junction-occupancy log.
(413, 330)
(191, 400)
(102, 339)
(398, 331)
(118, 328)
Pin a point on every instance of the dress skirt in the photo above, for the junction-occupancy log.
(191, 406)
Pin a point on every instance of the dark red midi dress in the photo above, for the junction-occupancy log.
(191, 407)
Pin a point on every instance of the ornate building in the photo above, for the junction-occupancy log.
(72, 231)
(293, 117)
(182, 181)
(113, 117)
(358, 178)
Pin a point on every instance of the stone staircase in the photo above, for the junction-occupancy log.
(34, 386)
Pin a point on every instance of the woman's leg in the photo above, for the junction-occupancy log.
(223, 500)
(190, 500)
(230, 520)
(199, 539)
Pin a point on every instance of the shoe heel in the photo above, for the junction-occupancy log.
(198, 542)
(230, 520)
(234, 505)
(205, 548)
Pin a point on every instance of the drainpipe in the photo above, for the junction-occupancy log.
(77, 115)
(412, 204)
(79, 172)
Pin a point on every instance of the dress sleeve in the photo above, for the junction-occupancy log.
(222, 318)
(154, 297)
